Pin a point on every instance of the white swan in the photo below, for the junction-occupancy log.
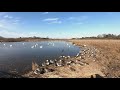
(32, 46)
(10, 45)
(41, 46)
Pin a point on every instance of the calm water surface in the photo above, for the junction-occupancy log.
(17, 56)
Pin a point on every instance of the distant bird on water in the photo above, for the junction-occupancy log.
(32, 47)
(10, 45)
(41, 46)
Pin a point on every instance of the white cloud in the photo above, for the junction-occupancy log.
(9, 25)
(71, 18)
(6, 33)
(17, 20)
(6, 24)
(57, 22)
(45, 13)
(9, 22)
(80, 18)
(51, 19)
(7, 16)
(14, 34)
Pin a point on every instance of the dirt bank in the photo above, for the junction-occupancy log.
(109, 56)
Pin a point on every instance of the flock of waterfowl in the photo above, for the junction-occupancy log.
(35, 45)
(65, 61)
(9, 45)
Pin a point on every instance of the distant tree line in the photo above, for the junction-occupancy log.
(102, 36)
(3, 39)
(34, 37)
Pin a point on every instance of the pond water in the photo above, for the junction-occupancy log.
(18, 56)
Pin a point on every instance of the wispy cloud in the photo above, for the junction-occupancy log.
(8, 22)
(80, 18)
(45, 12)
(7, 16)
(17, 34)
(53, 20)
(77, 20)
(6, 33)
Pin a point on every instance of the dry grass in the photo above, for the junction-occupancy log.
(109, 57)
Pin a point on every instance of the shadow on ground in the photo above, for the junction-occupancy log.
(9, 75)
(96, 76)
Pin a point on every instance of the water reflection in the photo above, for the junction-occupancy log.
(19, 55)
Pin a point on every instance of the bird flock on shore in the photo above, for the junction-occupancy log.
(67, 60)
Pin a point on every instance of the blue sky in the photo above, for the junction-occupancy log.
(58, 24)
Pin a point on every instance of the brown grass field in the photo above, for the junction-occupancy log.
(109, 56)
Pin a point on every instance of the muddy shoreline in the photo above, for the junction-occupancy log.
(52, 68)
